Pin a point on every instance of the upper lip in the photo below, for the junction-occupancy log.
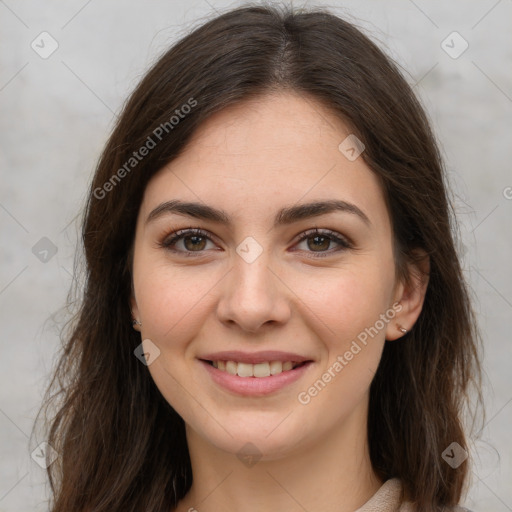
(254, 357)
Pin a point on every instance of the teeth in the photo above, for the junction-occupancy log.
(261, 370)
(254, 370)
(245, 370)
(231, 367)
(276, 367)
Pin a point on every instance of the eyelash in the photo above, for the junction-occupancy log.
(174, 237)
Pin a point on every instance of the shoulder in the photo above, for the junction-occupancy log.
(394, 488)
(390, 498)
(409, 507)
(456, 508)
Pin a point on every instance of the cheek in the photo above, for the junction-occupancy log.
(348, 301)
(170, 300)
(352, 315)
(173, 303)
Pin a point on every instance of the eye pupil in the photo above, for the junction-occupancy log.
(194, 245)
(325, 245)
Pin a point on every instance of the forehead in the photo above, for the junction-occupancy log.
(258, 155)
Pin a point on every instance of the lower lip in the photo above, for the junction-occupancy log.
(254, 386)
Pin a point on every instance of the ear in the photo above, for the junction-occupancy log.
(136, 322)
(410, 293)
(135, 312)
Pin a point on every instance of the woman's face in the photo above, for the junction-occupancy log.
(247, 289)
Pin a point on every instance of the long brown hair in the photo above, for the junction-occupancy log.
(122, 446)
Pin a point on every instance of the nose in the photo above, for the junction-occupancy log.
(253, 295)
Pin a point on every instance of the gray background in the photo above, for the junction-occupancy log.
(57, 113)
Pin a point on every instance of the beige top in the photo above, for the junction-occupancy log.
(389, 498)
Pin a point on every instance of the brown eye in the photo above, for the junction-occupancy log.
(187, 241)
(319, 241)
(194, 243)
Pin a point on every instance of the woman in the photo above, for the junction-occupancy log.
(274, 314)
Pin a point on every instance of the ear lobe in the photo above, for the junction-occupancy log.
(135, 313)
(411, 295)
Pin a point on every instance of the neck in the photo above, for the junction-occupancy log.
(331, 474)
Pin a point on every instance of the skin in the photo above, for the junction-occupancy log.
(250, 160)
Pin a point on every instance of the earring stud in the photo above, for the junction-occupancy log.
(136, 322)
(401, 329)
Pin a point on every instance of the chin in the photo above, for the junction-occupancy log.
(275, 438)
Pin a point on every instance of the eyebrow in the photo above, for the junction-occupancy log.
(285, 216)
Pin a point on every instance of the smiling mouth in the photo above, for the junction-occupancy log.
(258, 370)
